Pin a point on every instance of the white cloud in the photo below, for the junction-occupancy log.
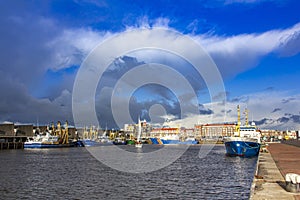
(232, 55)
(48, 47)
(161, 22)
(73, 45)
(236, 54)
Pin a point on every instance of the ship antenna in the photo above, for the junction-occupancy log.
(239, 115)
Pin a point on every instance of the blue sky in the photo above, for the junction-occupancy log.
(254, 43)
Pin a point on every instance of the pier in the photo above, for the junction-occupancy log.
(11, 145)
(12, 142)
(272, 166)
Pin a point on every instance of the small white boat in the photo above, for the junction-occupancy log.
(138, 145)
(138, 140)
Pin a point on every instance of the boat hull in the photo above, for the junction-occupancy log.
(38, 145)
(163, 141)
(120, 142)
(130, 142)
(139, 145)
(242, 148)
(92, 143)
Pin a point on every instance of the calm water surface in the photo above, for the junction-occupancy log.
(72, 173)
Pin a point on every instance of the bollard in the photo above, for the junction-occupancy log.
(292, 182)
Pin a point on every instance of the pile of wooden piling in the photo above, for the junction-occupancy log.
(11, 145)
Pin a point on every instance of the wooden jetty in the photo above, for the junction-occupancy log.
(12, 142)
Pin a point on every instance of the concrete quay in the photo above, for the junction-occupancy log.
(269, 181)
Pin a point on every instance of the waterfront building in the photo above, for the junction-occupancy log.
(40, 129)
(24, 130)
(290, 134)
(132, 129)
(11, 137)
(146, 129)
(270, 135)
(187, 132)
(129, 129)
(214, 131)
(7, 129)
(162, 132)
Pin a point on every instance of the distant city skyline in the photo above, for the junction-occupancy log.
(254, 43)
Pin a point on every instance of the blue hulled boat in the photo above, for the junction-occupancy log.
(89, 143)
(188, 141)
(238, 146)
(40, 145)
(246, 139)
(119, 141)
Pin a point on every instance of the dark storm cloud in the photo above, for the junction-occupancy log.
(240, 99)
(24, 54)
(261, 122)
(296, 118)
(205, 111)
(226, 111)
(17, 105)
(276, 110)
(287, 100)
(25, 58)
(147, 95)
(283, 119)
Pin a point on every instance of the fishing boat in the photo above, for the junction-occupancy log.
(104, 139)
(89, 142)
(168, 135)
(54, 138)
(92, 138)
(101, 141)
(119, 141)
(172, 140)
(245, 141)
(138, 140)
(45, 141)
(130, 142)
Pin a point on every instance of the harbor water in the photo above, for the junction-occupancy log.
(73, 173)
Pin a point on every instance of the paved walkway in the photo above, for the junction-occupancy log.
(269, 183)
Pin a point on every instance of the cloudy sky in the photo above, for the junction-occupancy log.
(254, 43)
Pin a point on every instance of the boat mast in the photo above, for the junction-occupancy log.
(239, 120)
(139, 130)
(246, 117)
